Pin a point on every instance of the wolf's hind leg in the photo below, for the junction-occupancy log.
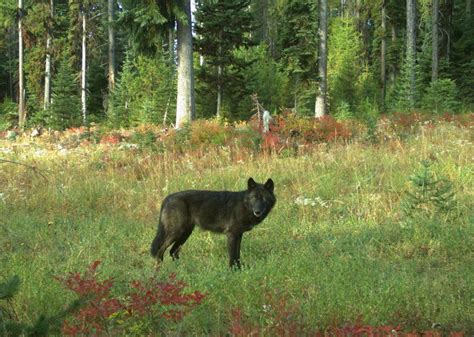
(174, 252)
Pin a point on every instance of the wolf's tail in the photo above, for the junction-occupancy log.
(158, 240)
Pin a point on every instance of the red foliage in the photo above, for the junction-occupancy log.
(146, 295)
(285, 320)
(407, 121)
(329, 129)
(147, 298)
(110, 139)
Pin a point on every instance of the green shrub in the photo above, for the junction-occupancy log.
(442, 96)
(428, 194)
(8, 114)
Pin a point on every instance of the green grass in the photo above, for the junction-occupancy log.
(353, 255)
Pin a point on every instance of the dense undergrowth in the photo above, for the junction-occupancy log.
(372, 232)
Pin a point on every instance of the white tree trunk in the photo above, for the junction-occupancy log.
(383, 53)
(321, 98)
(435, 44)
(219, 86)
(185, 95)
(411, 50)
(84, 68)
(21, 89)
(47, 66)
(111, 31)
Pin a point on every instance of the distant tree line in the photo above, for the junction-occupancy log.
(66, 63)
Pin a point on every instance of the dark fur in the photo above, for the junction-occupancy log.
(231, 213)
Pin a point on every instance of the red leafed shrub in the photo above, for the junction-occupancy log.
(283, 319)
(110, 139)
(407, 122)
(464, 120)
(286, 320)
(152, 299)
(329, 129)
(99, 304)
(174, 303)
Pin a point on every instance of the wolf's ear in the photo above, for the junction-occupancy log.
(251, 184)
(269, 185)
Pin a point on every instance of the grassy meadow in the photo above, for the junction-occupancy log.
(338, 248)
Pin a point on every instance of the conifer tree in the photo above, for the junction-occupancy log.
(65, 105)
(222, 27)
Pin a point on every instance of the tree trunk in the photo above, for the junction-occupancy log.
(185, 95)
(393, 66)
(321, 98)
(449, 5)
(84, 68)
(21, 89)
(411, 50)
(111, 31)
(383, 54)
(219, 86)
(47, 75)
(219, 90)
(435, 44)
(468, 8)
(111, 70)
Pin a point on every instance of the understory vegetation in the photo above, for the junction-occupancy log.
(372, 232)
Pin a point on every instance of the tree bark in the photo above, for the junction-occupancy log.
(411, 50)
(185, 110)
(435, 43)
(47, 75)
(21, 89)
(383, 53)
(219, 86)
(111, 56)
(111, 31)
(84, 68)
(393, 66)
(321, 98)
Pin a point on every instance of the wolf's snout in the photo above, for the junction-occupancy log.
(258, 214)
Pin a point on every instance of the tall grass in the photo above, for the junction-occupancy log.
(337, 243)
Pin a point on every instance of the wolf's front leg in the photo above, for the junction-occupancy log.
(233, 247)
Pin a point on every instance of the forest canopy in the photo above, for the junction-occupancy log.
(65, 63)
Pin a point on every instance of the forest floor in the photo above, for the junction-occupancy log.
(365, 237)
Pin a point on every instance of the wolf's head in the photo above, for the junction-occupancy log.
(259, 198)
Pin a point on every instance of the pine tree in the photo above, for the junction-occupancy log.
(66, 105)
(222, 70)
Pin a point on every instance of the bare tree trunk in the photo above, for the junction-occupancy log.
(84, 68)
(111, 70)
(468, 8)
(21, 89)
(185, 110)
(321, 98)
(111, 31)
(393, 66)
(47, 75)
(219, 86)
(435, 43)
(411, 50)
(383, 53)
(449, 5)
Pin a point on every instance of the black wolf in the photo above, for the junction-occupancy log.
(231, 213)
